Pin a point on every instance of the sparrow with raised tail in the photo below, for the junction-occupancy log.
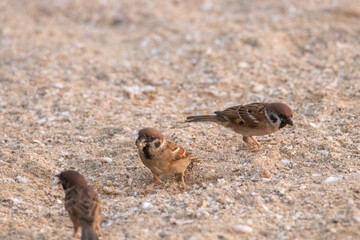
(82, 203)
(254, 119)
(161, 156)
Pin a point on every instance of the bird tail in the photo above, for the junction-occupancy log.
(88, 233)
(203, 118)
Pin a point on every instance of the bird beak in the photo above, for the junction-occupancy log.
(138, 141)
(290, 122)
(56, 180)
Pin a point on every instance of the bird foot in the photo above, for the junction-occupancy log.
(183, 187)
(151, 185)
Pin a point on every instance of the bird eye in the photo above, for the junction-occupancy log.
(281, 116)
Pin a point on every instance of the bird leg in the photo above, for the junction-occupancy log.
(247, 140)
(151, 185)
(183, 185)
(76, 229)
(98, 230)
(255, 141)
(75, 223)
(258, 145)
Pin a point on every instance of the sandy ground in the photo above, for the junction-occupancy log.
(80, 78)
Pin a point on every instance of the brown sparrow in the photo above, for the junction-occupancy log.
(254, 119)
(82, 204)
(161, 156)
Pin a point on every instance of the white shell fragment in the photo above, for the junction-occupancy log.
(22, 179)
(242, 228)
(332, 179)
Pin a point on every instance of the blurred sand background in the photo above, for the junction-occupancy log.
(78, 79)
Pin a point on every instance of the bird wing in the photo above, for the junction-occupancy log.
(179, 152)
(250, 115)
(83, 203)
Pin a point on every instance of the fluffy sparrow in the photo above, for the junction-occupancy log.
(254, 119)
(82, 204)
(161, 156)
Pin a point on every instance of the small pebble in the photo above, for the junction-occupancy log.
(21, 179)
(242, 229)
(285, 161)
(9, 180)
(267, 173)
(356, 218)
(316, 175)
(332, 179)
(243, 65)
(107, 160)
(146, 205)
(315, 125)
(258, 88)
(221, 182)
(28, 211)
(108, 190)
(209, 147)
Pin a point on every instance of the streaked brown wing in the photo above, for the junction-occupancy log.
(252, 114)
(83, 203)
(231, 114)
(179, 152)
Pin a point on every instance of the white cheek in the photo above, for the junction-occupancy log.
(56, 181)
(277, 123)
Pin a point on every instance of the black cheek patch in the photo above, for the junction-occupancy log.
(146, 151)
(273, 118)
(157, 144)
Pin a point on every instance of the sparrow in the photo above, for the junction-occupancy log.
(161, 156)
(254, 119)
(82, 203)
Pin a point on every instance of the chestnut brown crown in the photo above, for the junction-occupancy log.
(71, 178)
(149, 134)
(279, 109)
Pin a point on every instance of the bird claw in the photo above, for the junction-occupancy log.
(151, 185)
(183, 187)
(256, 149)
